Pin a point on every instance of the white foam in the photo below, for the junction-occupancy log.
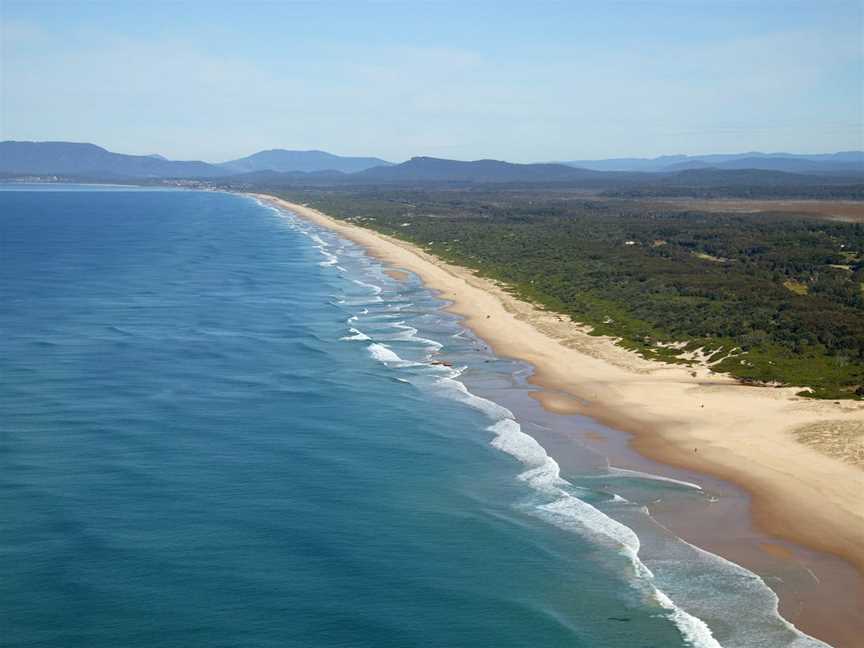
(319, 240)
(693, 629)
(354, 318)
(379, 316)
(510, 438)
(402, 325)
(635, 473)
(571, 513)
(752, 582)
(364, 301)
(544, 475)
(375, 289)
(358, 335)
(458, 391)
(409, 334)
(269, 206)
(383, 353)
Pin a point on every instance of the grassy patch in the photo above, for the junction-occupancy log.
(796, 287)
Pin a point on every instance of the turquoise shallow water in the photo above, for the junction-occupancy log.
(223, 426)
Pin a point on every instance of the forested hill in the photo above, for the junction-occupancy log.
(767, 298)
(742, 183)
(90, 161)
(428, 169)
(304, 161)
(842, 162)
(80, 159)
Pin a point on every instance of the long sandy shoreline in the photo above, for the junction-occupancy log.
(684, 416)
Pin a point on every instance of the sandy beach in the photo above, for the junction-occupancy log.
(802, 460)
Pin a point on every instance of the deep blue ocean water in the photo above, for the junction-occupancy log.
(223, 426)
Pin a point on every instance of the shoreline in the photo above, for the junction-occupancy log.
(686, 417)
(820, 594)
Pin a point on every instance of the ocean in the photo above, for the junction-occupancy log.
(225, 426)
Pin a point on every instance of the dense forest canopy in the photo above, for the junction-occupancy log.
(770, 298)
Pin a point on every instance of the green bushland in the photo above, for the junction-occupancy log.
(651, 276)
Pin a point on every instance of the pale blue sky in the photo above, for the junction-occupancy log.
(523, 81)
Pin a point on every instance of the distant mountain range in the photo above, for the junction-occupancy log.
(74, 159)
(280, 166)
(846, 161)
(428, 169)
(306, 161)
(69, 158)
(423, 170)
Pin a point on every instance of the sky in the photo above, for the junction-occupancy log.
(524, 81)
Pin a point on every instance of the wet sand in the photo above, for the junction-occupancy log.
(821, 594)
(398, 275)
